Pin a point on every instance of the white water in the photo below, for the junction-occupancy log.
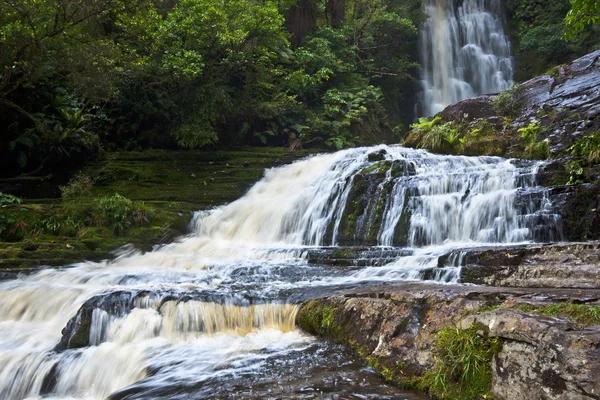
(216, 303)
(464, 52)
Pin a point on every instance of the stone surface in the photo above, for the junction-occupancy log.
(394, 328)
(566, 265)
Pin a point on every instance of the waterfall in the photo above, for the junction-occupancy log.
(464, 52)
(215, 309)
(442, 199)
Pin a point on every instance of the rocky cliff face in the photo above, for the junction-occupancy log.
(565, 102)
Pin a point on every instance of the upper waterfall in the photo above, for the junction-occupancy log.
(464, 52)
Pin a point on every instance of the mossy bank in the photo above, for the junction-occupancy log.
(139, 198)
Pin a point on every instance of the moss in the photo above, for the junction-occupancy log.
(355, 207)
(81, 337)
(402, 227)
(508, 102)
(172, 184)
(482, 139)
(371, 236)
(377, 156)
(318, 318)
(583, 315)
(392, 374)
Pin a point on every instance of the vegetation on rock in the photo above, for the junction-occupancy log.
(463, 369)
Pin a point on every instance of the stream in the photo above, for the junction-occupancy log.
(212, 315)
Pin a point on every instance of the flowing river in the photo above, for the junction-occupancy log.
(212, 315)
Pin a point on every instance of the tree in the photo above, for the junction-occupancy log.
(582, 13)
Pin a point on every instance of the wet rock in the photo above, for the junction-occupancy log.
(377, 156)
(394, 329)
(570, 265)
(469, 109)
(77, 332)
(581, 213)
(566, 105)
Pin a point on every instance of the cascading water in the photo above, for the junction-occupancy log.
(464, 52)
(212, 315)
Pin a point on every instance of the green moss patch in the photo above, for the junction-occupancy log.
(318, 318)
(581, 314)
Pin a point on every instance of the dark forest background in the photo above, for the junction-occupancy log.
(78, 78)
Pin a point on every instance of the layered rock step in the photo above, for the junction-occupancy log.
(541, 343)
(555, 265)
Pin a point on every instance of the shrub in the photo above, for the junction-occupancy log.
(13, 225)
(120, 213)
(79, 186)
(142, 214)
(532, 148)
(508, 102)
(577, 173)
(434, 135)
(6, 199)
(587, 147)
(114, 211)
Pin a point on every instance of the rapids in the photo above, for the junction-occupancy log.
(212, 315)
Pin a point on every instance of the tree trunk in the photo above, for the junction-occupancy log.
(337, 12)
(301, 20)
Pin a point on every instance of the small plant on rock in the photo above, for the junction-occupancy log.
(463, 368)
(587, 147)
(507, 102)
(114, 211)
(577, 173)
(534, 149)
(434, 135)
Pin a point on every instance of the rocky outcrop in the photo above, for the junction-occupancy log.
(565, 265)
(395, 329)
(566, 102)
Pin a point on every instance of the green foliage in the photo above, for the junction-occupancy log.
(482, 140)
(507, 103)
(582, 13)
(540, 29)
(532, 148)
(463, 367)
(582, 314)
(6, 199)
(193, 73)
(79, 186)
(13, 224)
(114, 211)
(577, 173)
(435, 136)
(119, 213)
(587, 147)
